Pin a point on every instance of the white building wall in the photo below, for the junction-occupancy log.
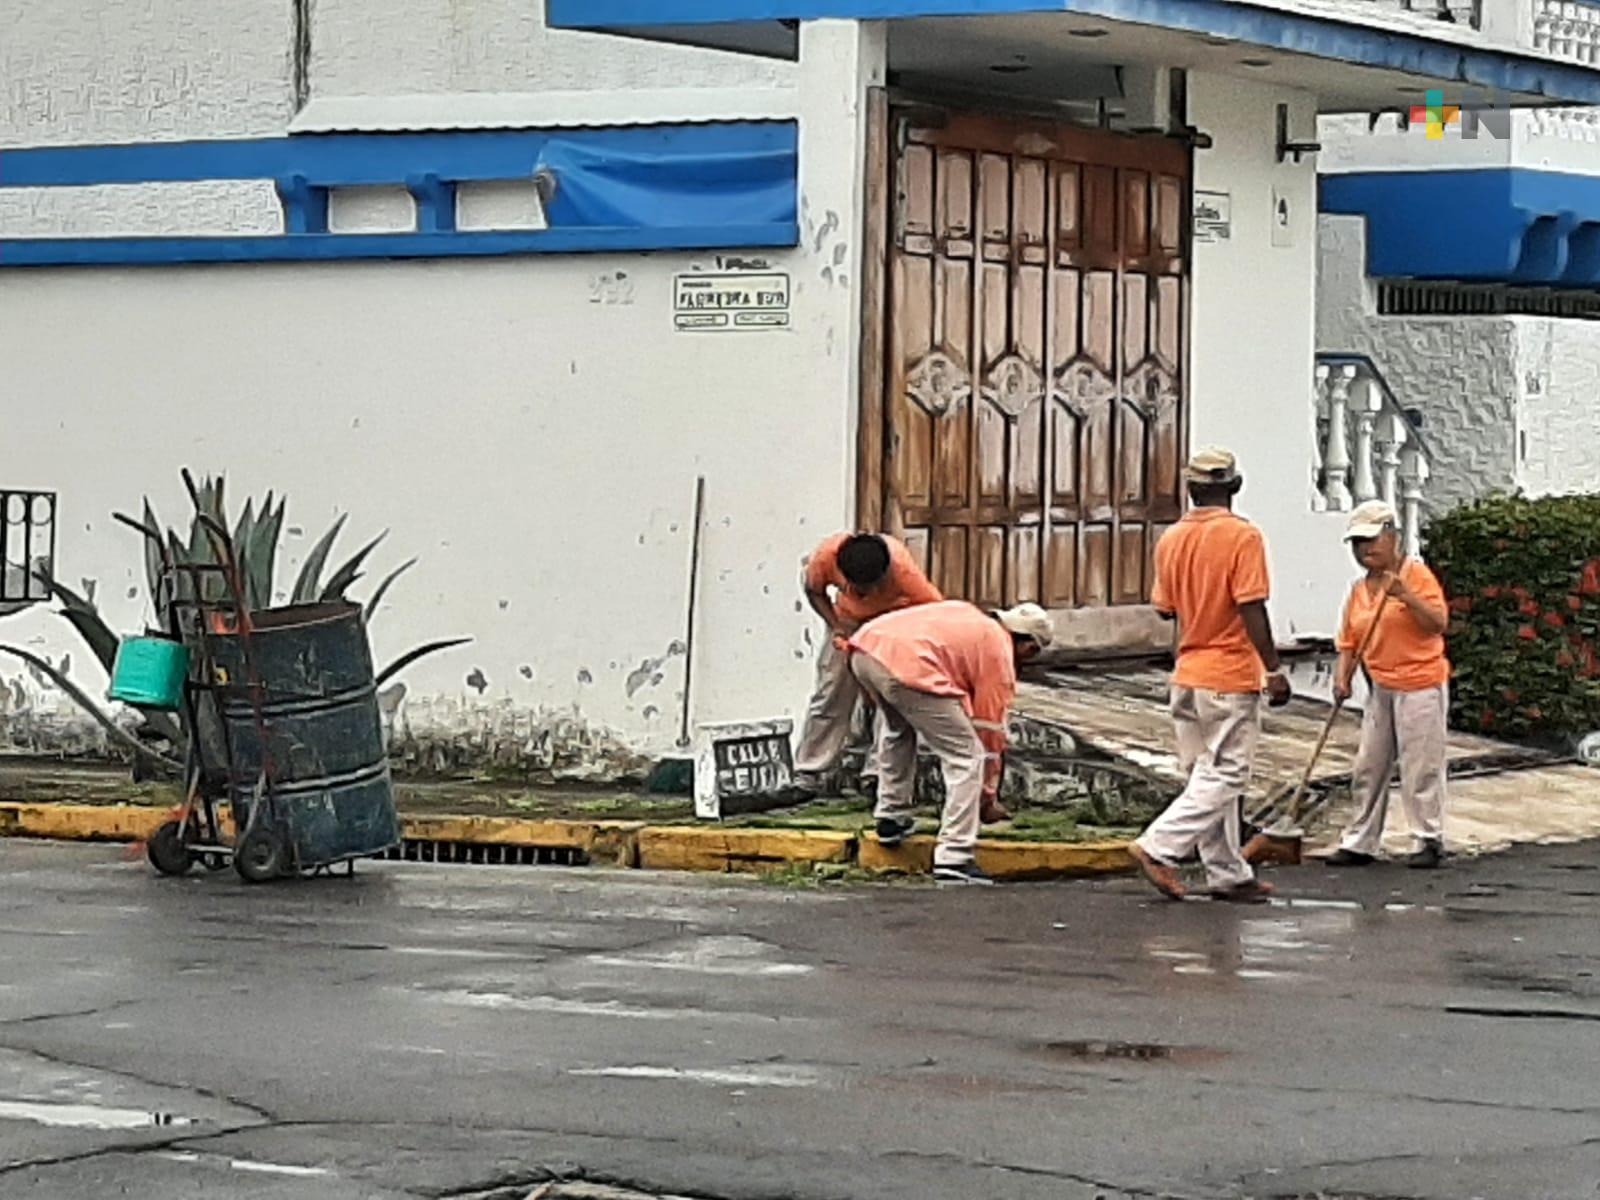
(359, 48)
(1460, 372)
(161, 70)
(1558, 388)
(530, 428)
(1252, 342)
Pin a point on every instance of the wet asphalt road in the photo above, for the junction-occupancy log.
(428, 1031)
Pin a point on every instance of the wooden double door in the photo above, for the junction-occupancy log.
(1034, 351)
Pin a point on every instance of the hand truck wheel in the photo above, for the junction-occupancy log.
(166, 850)
(261, 857)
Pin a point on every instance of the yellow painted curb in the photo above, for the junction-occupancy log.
(690, 848)
(612, 841)
(81, 822)
(1053, 860)
(628, 843)
(1003, 860)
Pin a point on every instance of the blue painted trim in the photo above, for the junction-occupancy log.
(49, 252)
(1289, 32)
(709, 186)
(366, 159)
(1499, 225)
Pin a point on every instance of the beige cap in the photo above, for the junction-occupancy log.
(1212, 465)
(1370, 520)
(1028, 620)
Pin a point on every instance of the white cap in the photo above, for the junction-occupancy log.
(1028, 620)
(1212, 465)
(1371, 520)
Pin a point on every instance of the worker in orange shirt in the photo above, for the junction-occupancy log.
(849, 579)
(1211, 575)
(1409, 701)
(945, 673)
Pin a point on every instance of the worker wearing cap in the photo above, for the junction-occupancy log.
(1211, 575)
(1409, 701)
(849, 579)
(945, 673)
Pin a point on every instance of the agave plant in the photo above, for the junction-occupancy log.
(255, 541)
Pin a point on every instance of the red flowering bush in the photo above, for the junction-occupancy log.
(1523, 577)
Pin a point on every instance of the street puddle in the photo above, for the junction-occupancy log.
(775, 1076)
(710, 956)
(89, 1116)
(1097, 1051)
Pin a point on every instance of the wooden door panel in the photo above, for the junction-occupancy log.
(1038, 318)
(1061, 568)
(949, 568)
(1094, 584)
(1130, 570)
(990, 568)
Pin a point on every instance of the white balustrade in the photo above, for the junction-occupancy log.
(1366, 448)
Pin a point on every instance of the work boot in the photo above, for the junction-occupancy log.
(1253, 892)
(1161, 876)
(1349, 858)
(892, 831)
(1427, 858)
(968, 874)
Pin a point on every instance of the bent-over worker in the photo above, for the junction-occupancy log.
(1408, 704)
(849, 579)
(1211, 575)
(945, 673)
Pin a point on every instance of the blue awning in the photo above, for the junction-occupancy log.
(1507, 225)
(767, 26)
(710, 186)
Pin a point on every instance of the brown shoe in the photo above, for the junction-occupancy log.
(1162, 877)
(1254, 892)
(993, 812)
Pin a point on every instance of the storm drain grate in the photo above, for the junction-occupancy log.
(479, 854)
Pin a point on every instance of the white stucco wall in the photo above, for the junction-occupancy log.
(1558, 390)
(1252, 343)
(161, 70)
(359, 48)
(530, 428)
(1460, 372)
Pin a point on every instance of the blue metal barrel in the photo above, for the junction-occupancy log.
(324, 737)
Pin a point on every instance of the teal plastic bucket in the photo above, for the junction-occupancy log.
(149, 672)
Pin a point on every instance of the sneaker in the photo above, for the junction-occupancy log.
(894, 830)
(1161, 876)
(1349, 858)
(1427, 858)
(966, 873)
(1254, 892)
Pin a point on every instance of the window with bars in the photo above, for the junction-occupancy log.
(27, 545)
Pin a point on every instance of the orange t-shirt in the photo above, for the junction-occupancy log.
(904, 586)
(1402, 657)
(951, 648)
(1207, 565)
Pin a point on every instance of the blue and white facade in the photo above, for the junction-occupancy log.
(433, 264)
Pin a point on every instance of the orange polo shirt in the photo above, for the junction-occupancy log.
(1402, 656)
(951, 648)
(904, 585)
(1207, 565)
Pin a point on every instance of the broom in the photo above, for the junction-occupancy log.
(1282, 840)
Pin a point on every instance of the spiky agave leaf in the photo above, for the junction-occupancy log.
(309, 585)
(264, 555)
(243, 532)
(346, 575)
(383, 588)
(411, 656)
(85, 618)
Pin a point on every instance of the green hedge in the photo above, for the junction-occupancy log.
(1523, 577)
